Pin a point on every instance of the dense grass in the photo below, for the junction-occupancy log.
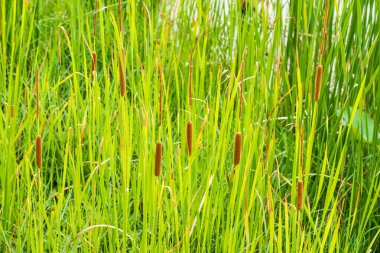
(303, 181)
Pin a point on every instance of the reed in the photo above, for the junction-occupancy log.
(189, 137)
(39, 151)
(318, 81)
(158, 160)
(299, 195)
(237, 149)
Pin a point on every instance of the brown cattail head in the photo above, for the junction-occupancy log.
(318, 81)
(12, 112)
(93, 64)
(237, 149)
(158, 161)
(39, 151)
(83, 131)
(121, 77)
(189, 135)
(299, 195)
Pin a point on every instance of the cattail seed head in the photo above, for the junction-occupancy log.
(82, 132)
(189, 135)
(318, 81)
(121, 78)
(158, 161)
(12, 112)
(93, 64)
(39, 151)
(299, 195)
(237, 149)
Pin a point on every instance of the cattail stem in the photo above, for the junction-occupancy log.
(190, 78)
(158, 160)
(299, 195)
(96, 11)
(161, 88)
(237, 149)
(120, 17)
(39, 151)
(121, 77)
(189, 134)
(241, 84)
(93, 64)
(37, 98)
(318, 81)
(302, 133)
(59, 47)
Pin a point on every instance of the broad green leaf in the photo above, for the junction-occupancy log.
(363, 126)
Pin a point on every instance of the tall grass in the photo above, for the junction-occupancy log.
(304, 182)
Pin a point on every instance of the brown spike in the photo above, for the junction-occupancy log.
(189, 134)
(39, 151)
(158, 160)
(299, 195)
(12, 112)
(93, 64)
(318, 81)
(237, 149)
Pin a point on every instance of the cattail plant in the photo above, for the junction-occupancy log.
(189, 135)
(237, 149)
(158, 160)
(121, 77)
(299, 195)
(93, 64)
(39, 151)
(318, 80)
